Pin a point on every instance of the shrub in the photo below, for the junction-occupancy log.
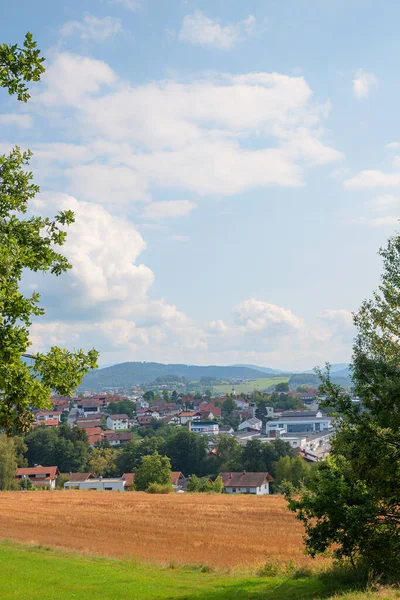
(160, 488)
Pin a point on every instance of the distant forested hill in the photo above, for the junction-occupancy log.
(131, 373)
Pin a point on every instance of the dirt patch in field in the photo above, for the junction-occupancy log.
(216, 530)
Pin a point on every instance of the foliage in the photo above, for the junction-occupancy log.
(27, 244)
(187, 452)
(63, 446)
(102, 462)
(122, 407)
(61, 479)
(228, 453)
(148, 396)
(293, 470)
(8, 462)
(282, 387)
(363, 523)
(160, 488)
(261, 411)
(228, 406)
(204, 484)
(19, 65)
(153, 469)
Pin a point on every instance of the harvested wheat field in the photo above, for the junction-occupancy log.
(217, 530)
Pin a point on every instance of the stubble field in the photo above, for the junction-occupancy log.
(215, 530)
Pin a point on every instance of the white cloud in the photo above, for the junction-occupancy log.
(198, 29)
(373, 178)
(129, 4)
(23, 121)
(168, 209)
(386, 221)
(340, 324)
(257, 315)
(92, 28)
(392, 145)
(363, 83)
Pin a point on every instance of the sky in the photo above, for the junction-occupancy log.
(233, 167)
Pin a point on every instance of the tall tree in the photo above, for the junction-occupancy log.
(363, 474)
(28, 244)
(154, 469)
(187, 452)
(8, 462)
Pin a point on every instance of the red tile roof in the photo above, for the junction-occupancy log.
(118, 417)
(79, 476)
(47, 423)
(244, 479)
(175, 476)
(49, 472)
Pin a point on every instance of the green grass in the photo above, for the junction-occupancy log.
(246, 388)
(43, 574)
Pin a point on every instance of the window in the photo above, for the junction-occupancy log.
(234, 490)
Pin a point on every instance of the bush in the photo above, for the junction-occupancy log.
(160, 488)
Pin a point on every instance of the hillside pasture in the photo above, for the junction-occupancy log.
(217, 530)
(259, 385)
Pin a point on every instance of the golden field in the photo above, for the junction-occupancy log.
(216, 530)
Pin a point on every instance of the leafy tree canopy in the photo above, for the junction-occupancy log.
(154, 469)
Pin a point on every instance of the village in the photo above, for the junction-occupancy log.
(306, 433)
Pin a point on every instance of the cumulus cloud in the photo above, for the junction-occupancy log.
(373, 178)
(92, 28)
(23, 121)
(340, 324)
(195, 135)
(363, 83)
(257, 315)
(393, 145)
(198, 29)
(168, 209)
(385, 202)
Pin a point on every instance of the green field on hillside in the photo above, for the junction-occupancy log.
(255, 384)
(44, 574)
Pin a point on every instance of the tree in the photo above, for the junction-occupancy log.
(253, 456)
(262, 412)
(228, 452)
(293, 470)
(228, 406)
(122, 407)
(8, 462)
(28, 244)
(148, 396)
(187, 452)
(102, 462)
(272, 452)
(174, 397)
(63, 446)
(363, 473)
(165, 396)
(282, 387)
(154, 469)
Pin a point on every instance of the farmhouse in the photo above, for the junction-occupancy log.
(186, 416)
(48, 415)
(89, 406)
(39, 476)
(246, 483)
(116, 438)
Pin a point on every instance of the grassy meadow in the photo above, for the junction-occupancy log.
(259, 385)
(40, 573)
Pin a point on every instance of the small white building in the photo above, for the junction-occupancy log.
(48, 415)
(100, 484)
(299, 422)
(209, 428)
(117, 422)
(186, 417)
(246, 483)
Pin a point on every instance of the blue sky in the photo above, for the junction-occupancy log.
(234, 168)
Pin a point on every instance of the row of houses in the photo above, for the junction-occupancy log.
(233, 482)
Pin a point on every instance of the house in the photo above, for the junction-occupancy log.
(246, 483)
(116, 422)
(116, 484)
(51, 415)
(77, 477)
(227, 430)
(251, 424)
(47, 423)
(299, 421)
(94, 434)
(89, 421)
(39, 476)
(116, 438)
(209, 428)
(60, 404)
(177, 479)
(186, 416)
(148, 412)
(89, 406)
(209, 408)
